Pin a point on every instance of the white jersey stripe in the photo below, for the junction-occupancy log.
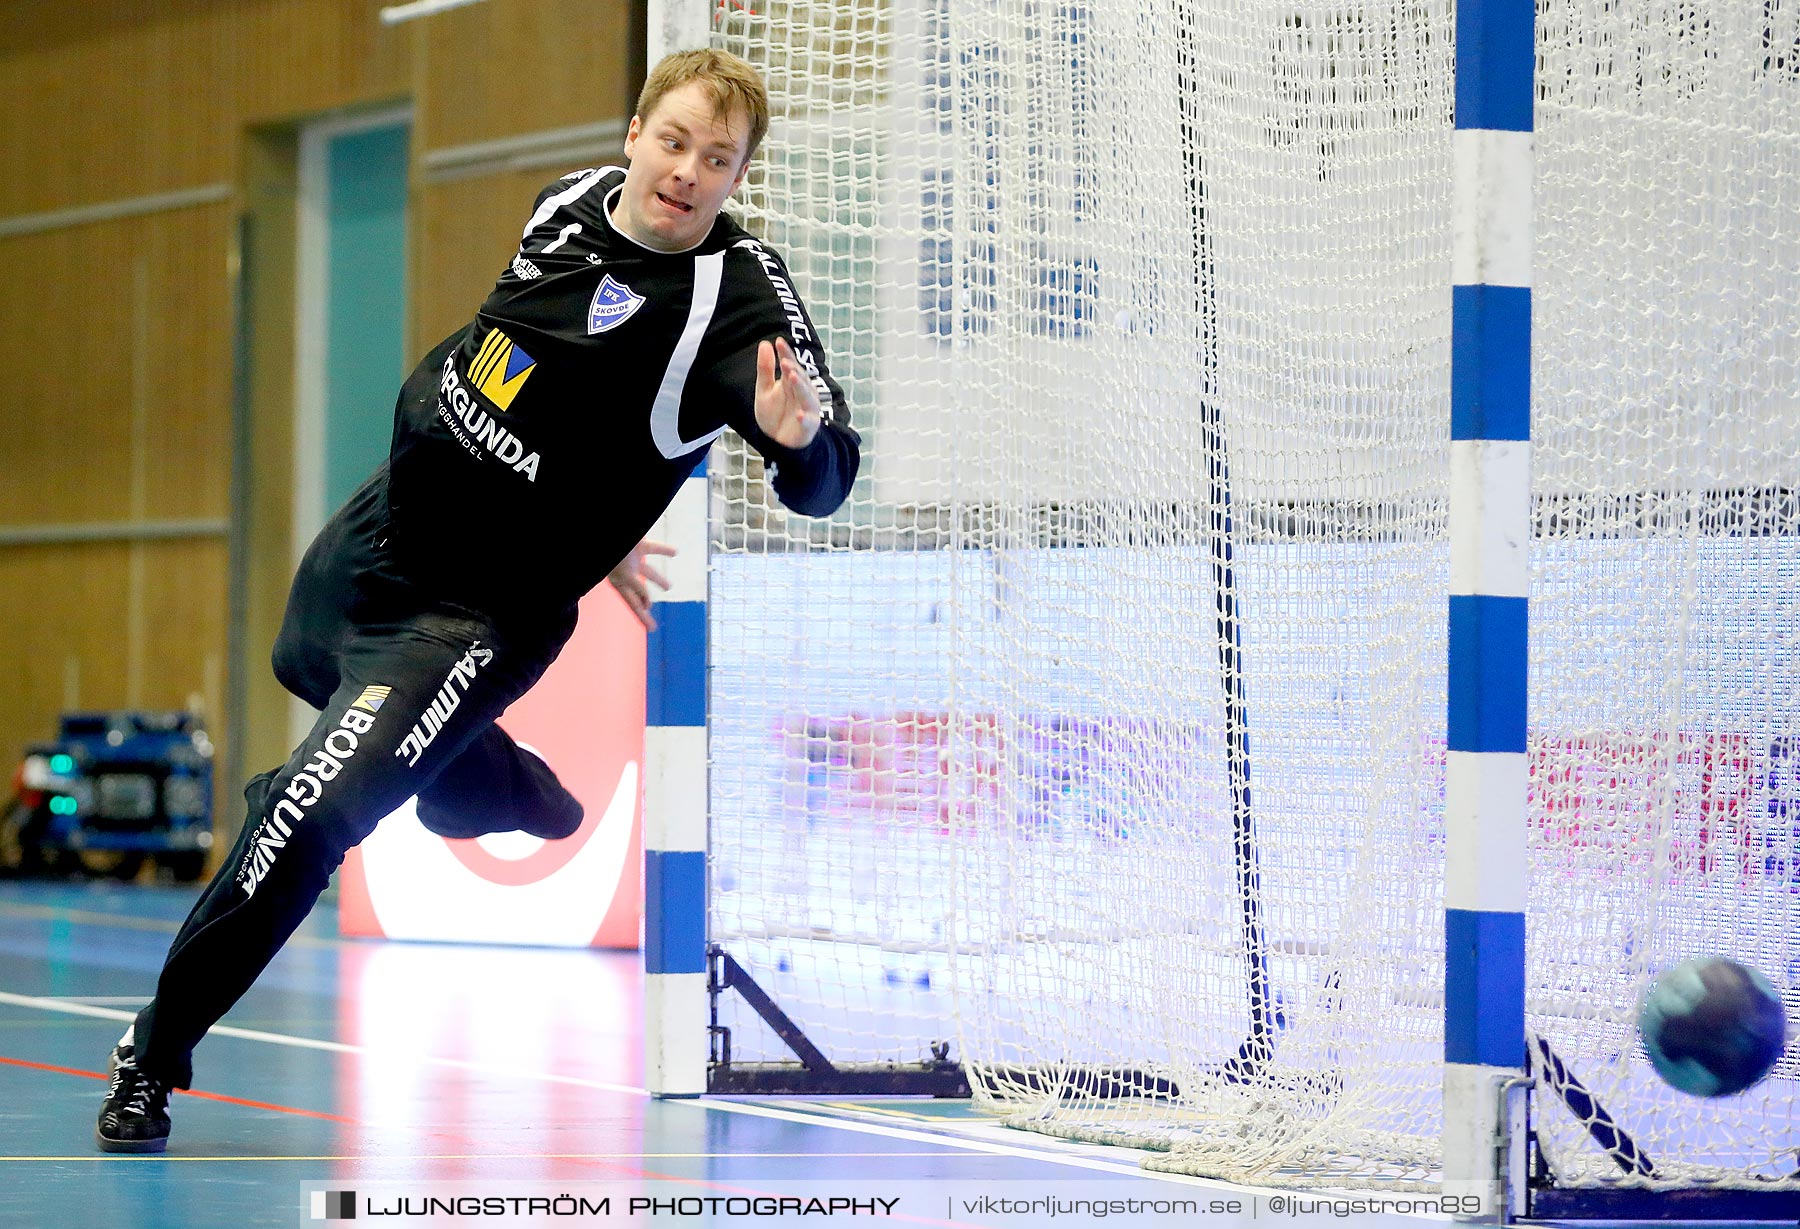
(553, 203)
(665, 412)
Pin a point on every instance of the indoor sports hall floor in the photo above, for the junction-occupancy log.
(375, 1063)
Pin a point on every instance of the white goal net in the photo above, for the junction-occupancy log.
(1098, 741)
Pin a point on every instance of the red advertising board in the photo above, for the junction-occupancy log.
(586, 718)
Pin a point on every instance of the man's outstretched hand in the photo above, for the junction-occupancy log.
(635, 574)
(787, 404)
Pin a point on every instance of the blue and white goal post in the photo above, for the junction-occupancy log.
(1490, 536)
(675, 807)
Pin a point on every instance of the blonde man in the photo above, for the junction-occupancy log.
(532, 451)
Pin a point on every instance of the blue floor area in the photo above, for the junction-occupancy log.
(403, 1069)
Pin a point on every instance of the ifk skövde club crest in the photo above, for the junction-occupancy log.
(612, 306)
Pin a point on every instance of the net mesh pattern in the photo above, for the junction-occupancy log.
(1665, 682)
(1099, 737)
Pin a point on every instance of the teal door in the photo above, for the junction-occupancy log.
(365, 334)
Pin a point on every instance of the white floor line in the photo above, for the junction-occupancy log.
(312, 1043)
(97, 1000)
(126, 921)
(917, 1135)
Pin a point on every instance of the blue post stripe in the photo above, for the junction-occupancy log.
(675, 913)
(1495, 61)
(675, 666)
(1490, 363)
(1484, 988)
(1488, 664)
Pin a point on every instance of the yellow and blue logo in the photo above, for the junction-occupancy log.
(372, 698)
(501, 369)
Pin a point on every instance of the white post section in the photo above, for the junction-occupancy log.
(676, 25)
(676, 1007)
(1490, 538)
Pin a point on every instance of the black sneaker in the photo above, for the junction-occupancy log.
(135, 1115)
(540, 806)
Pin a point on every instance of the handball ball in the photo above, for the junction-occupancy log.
(1712, 1027)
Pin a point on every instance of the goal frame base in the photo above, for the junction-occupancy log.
(1545, 1200)
(1688, 1206)
(814, 1074)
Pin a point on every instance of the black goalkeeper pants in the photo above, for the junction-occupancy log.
(409, 691)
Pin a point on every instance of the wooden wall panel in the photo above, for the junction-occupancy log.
(506, 67)
(65, 611)
(136, 97)
(69, 357)
(299, 57)
(176, 651)
(122, 390)
(182, 367)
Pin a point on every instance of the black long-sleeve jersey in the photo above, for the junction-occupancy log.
(533, 449)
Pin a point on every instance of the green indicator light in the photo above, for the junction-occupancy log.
(61, 805)
(62, 763)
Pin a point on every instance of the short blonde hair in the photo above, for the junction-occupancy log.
(732, 82)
